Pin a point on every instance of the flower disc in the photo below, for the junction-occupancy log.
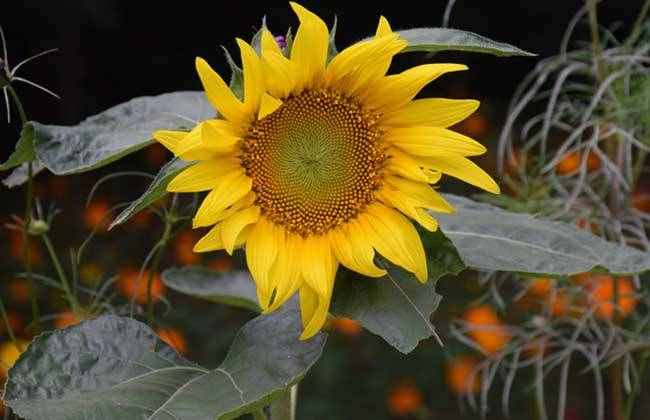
(315, 162)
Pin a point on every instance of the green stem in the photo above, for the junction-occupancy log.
(29, 203)
(5, 319)
(62, 276)
(638, 25)
(170, 219)
(629, 405)
(616, 391)
(284, 408)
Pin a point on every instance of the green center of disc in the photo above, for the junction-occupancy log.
(314, 162)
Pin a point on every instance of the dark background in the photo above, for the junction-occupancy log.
(111, 51)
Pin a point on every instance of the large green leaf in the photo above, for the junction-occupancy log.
(234, 288)
(156, 190)
(445, 39)
(115, 367)
(19, 175)
(116, 132)
(397, 307)
(489, 238)
(24, 150)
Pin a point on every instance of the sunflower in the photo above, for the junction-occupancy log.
(322, 162)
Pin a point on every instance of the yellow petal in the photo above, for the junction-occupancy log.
(316, 262)
(232, 227)
(354, 251)
(279, 74)
(383, 28)
(437, 112)
(244, 202)
(211, 241)
(203, 176)
(170, 139)
(463, 169)
(268, 105)
(394, 198)
(362, 63)
(219, 94)
(219, 134)
(231, 187)
(433, 141)
(285, 275)
(253, 79)
(261, 253)
(309, 49)
(421, 194)
(403, 164)
(207, 140)
(314, 309)
(269, 44)
(394, 237)
(395, 91)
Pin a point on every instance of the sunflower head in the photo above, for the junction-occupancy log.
(323, 162)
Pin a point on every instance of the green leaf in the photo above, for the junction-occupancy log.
(397, 307)
(489, 238)
(19, 175)
(156, 190)
(445, 39)
(234, 288)
(24, 150)
(116, 132)
(115, 367)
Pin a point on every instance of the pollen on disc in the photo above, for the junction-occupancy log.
(315, 162)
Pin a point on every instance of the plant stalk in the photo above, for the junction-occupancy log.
(61, 273)
(29, 203)
(636, 387)
(161, 246)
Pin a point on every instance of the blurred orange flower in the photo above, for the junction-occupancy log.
(20, 291)
(641, 201)
(15, 322)
(602, 289)
(221, 264)
(134, 286)
(571, 162)
(486, 328)
(476, 125)
(183, 248)
(345, 326)
(67, 319)
(16, 247)
(541, 287)
(96, 215)
(459, 372)
(404, 399)
(174, 338)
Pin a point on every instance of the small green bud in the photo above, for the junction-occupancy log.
(38, 227)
